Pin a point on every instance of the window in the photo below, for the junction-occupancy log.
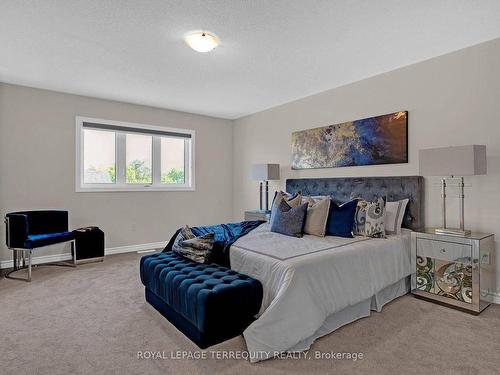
(172, 161)
(117, 156)
(139, 159)
(99, 150)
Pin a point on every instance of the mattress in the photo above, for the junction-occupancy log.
(307, 280)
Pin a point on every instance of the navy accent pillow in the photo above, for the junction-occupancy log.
(341, 219)
(289, 221)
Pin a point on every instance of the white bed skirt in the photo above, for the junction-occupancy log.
(355, 312)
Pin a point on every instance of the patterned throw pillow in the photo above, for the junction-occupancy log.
(279, 196)
(317, 215)
(195, 248)
(289, 220)
(370, 218)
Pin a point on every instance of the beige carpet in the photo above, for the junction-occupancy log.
(94, 320)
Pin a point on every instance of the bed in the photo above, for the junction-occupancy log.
(314, 285)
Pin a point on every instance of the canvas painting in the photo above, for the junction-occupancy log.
(375, 140)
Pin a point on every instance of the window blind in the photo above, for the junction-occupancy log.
(126, 129)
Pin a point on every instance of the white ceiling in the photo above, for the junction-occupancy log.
(272, 51)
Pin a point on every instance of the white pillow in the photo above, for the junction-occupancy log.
(317, 216)
(394, 214)
(311, 199)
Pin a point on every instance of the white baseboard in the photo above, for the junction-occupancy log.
(495, 298)
(108, 251)
(134, 248)
(39, 260)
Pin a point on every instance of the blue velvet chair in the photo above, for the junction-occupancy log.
(29, 230)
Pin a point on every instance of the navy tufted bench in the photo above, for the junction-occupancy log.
(207, 302)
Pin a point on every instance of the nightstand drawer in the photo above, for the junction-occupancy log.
(442, 250)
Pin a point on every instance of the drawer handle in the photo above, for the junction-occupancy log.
(443, 250)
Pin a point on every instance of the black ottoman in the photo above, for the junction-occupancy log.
(89, 243)
(206, 302)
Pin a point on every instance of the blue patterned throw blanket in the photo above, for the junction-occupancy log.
(225, 236)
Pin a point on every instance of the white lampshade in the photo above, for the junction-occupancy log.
(453, 161)
(265, 172)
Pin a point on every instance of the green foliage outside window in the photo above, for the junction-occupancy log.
(138, 173)
(174, 176)
(112, 174)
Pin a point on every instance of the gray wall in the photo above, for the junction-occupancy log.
(452, 100)
(37, 168)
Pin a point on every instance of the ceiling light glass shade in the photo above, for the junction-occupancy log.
(202, 42)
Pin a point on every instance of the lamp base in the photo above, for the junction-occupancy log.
(452, 232)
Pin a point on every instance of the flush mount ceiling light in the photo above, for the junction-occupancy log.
(202, 41)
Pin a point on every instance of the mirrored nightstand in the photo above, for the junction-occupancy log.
(456, 271)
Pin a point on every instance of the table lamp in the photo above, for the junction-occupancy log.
(453, 163)
(264, 173)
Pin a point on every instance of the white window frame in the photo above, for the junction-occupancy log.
(121, 185)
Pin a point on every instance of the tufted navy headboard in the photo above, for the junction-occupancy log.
(369, 188)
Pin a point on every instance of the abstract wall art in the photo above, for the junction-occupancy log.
(375, 140)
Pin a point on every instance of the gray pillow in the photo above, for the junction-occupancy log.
(194, 248)
(292, 200)
(289, 220)
(317, 216)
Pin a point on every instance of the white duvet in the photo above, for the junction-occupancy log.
(307, 279)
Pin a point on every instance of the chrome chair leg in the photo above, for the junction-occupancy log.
(14, 260)
(73, 252)
(19, 259)
(30, 253)
(72, 262)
